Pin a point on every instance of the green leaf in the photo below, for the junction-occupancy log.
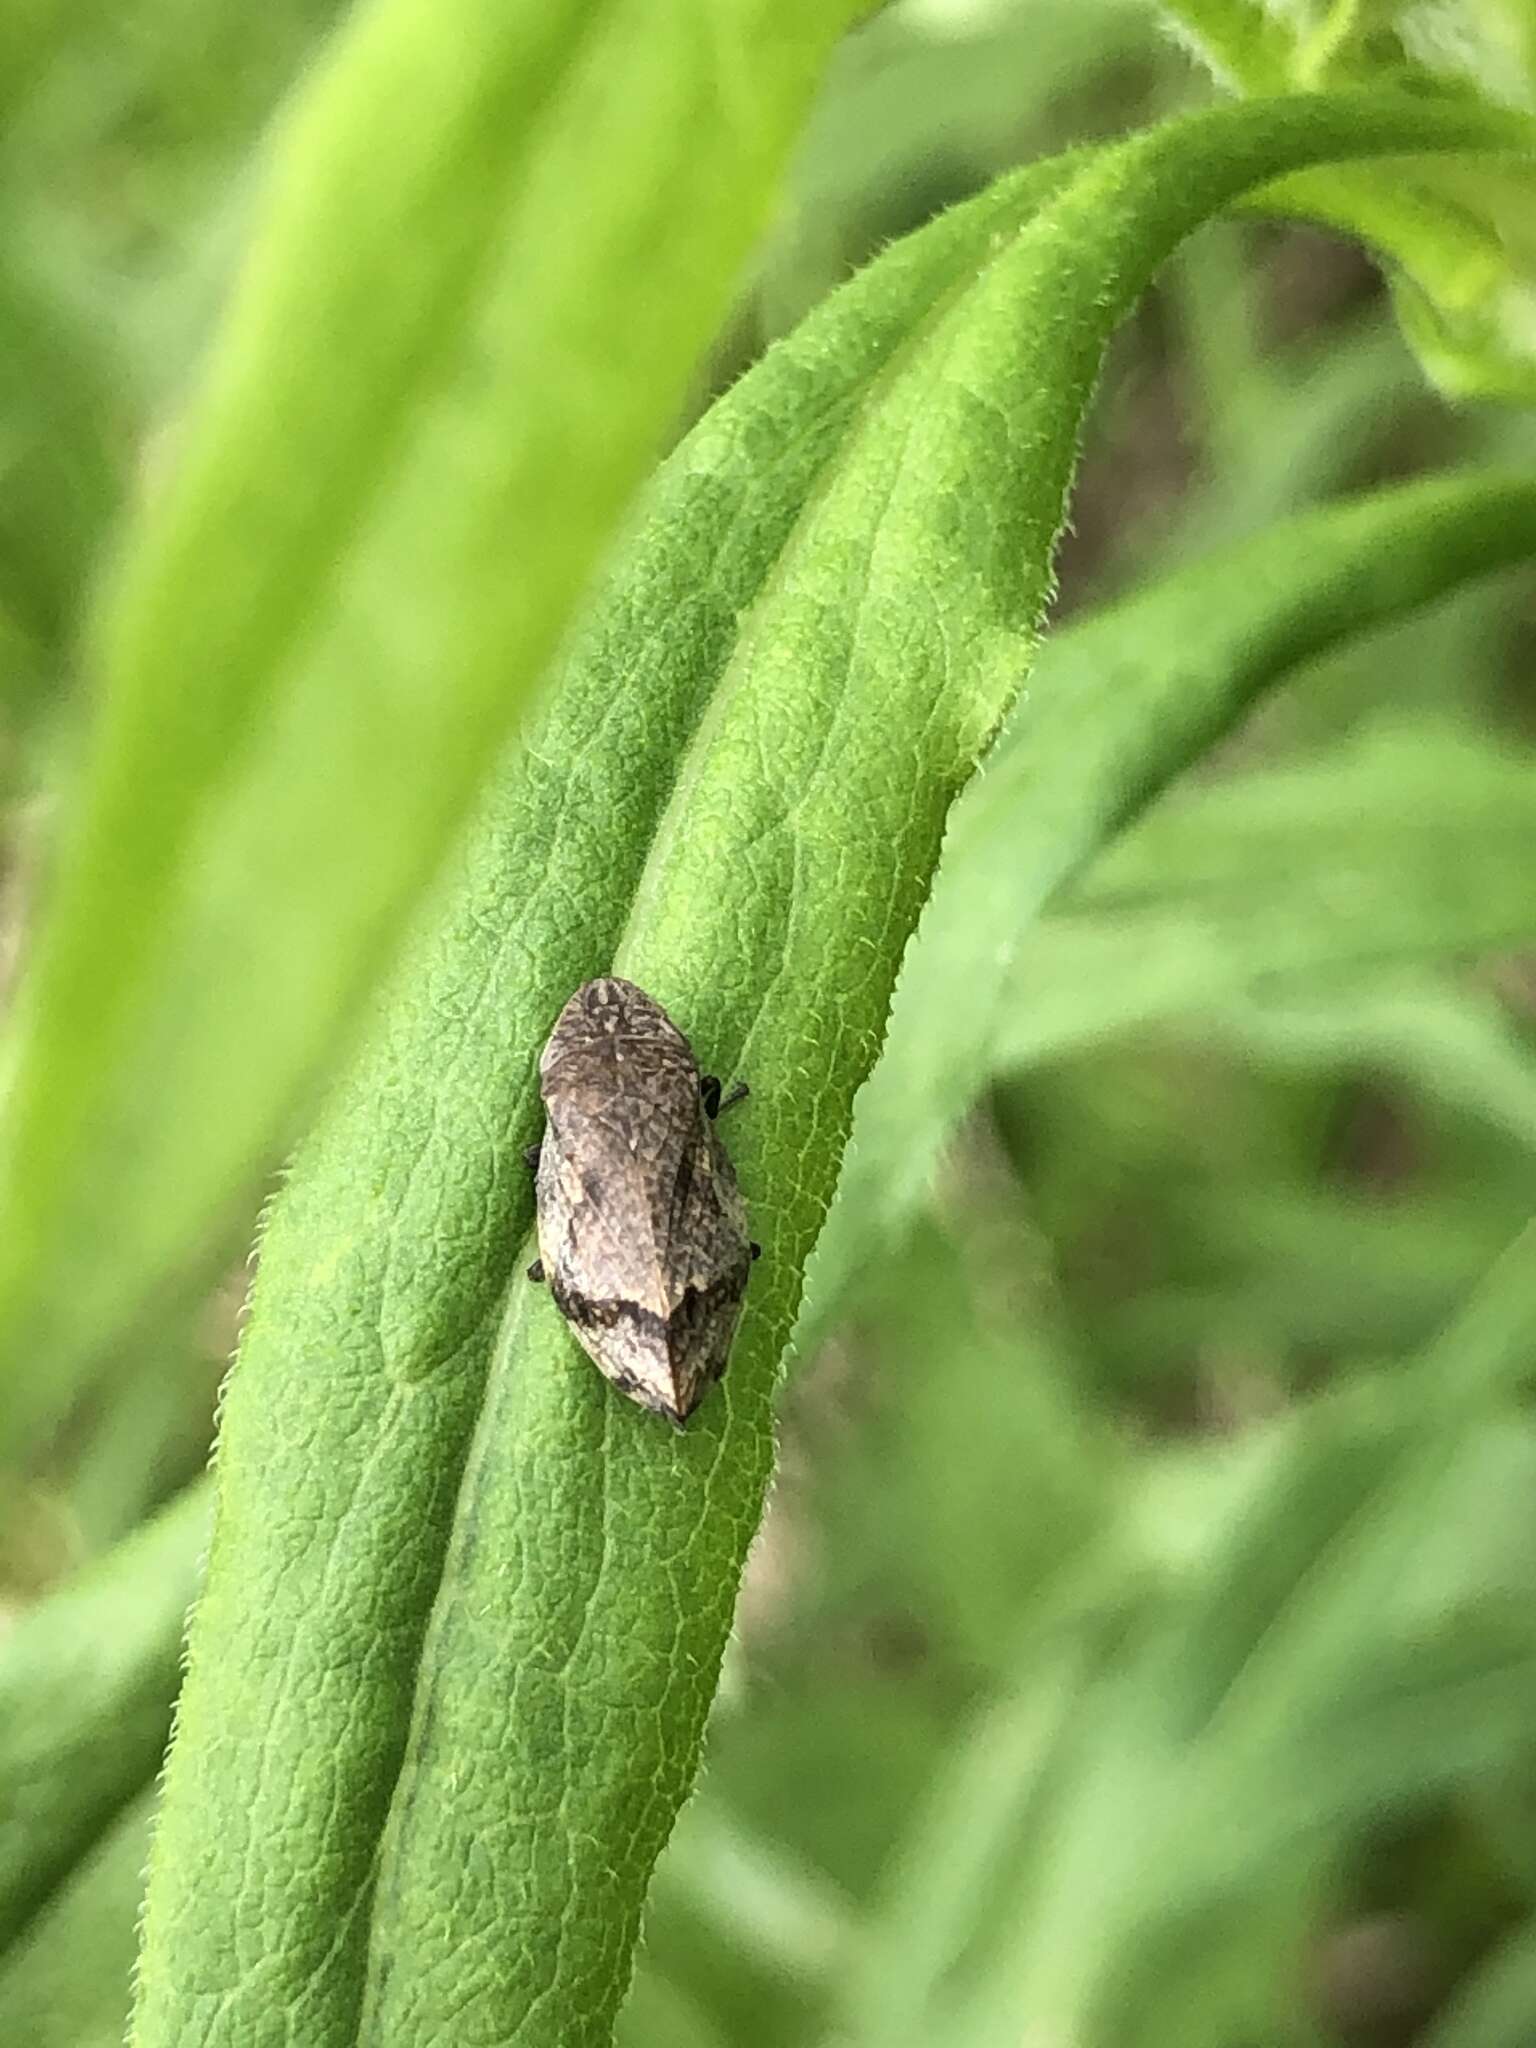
(658, 2015)
(1302, 1274)
(1115, 708)
(31, 35)
(66, 1982)
(1123, 1850)
(1191, 904)
(1493, 2009)
(87, 1677)
(446, 366)
(771, 1920)
(966, 1558)
(1458, 238)
(1454, 1043)
(63, 432)
(385, 1264)
(448, 1683)
(1488, 1346)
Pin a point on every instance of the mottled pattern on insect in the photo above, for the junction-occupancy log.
(642, 1229)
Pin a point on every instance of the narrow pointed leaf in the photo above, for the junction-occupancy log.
(466, 1609)
(386, 1261)
(87, 1677)
(1116, 707)
(67, 1983)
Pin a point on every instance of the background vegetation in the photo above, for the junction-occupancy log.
(1138, 1647)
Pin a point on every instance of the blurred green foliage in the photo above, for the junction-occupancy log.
(275, 770)
(1138, 1649)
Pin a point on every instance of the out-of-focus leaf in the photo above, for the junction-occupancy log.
(1459, 239)
(1192, 902)
(66, 1982)
(657, 2015)
(1488, 1347)
(920, 109)
(1456, 1043)
(1340, 1651)
(973, 1390)
(1493, 2010)
(87, 1677)
(783, 1914)
(63, 447)
(1305, 1274)
(339, 601)
(1112, 709)
(32, 34)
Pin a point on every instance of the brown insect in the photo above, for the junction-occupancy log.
(642, 1228)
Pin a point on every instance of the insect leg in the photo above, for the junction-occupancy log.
(531, 1156)
(536, 1270)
